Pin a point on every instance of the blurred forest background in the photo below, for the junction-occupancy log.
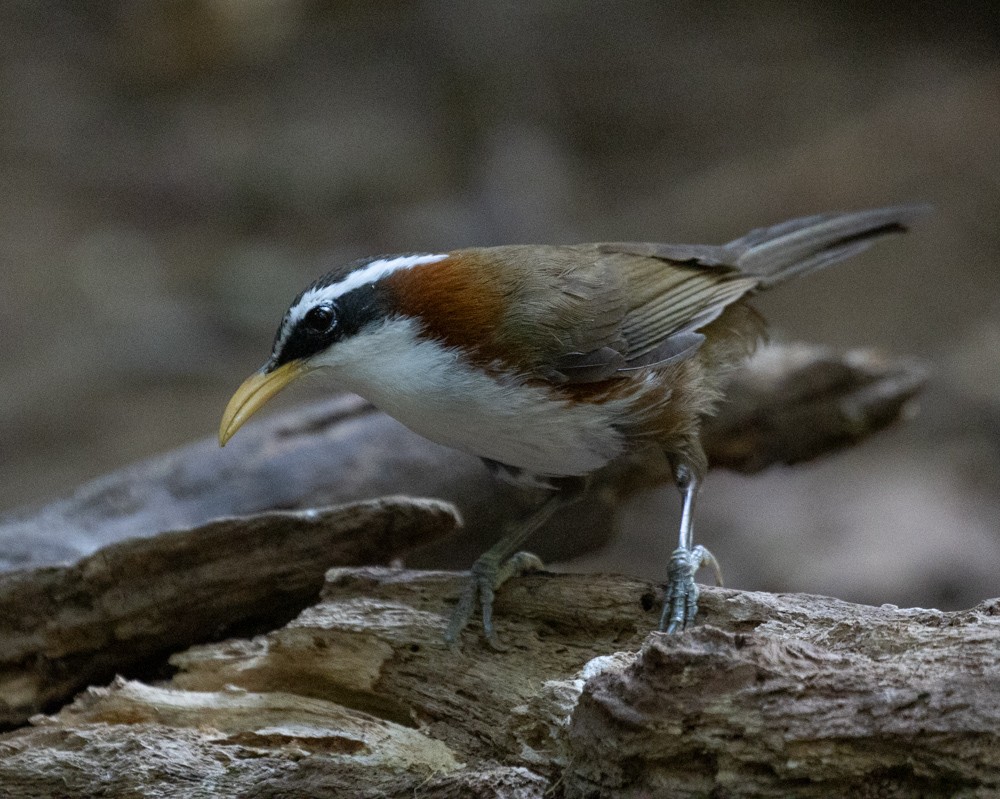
(173, 173)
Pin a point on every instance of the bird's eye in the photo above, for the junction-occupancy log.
(319, 319)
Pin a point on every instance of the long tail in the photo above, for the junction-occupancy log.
(778, 253)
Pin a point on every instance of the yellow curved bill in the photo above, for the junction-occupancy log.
(253, 394)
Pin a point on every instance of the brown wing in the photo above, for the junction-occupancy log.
(584, 314)
(553, 312)
(589, 312)
(669, 301)
(677, 289)
(565, 307)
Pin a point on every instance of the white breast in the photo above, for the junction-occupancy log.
(431, 390)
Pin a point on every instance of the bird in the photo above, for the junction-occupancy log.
(549, 362)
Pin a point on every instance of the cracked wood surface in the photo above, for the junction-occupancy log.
(201, 543)
(134, 603)
(771, 695)
(790, 403)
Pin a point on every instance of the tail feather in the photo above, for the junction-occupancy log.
(778, 253)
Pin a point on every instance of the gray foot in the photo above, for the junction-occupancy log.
(681, 603)
(487, 576)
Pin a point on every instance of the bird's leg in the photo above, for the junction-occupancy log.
(501, 562)
(681, 604)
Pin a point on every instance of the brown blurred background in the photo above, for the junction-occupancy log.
(172, 173)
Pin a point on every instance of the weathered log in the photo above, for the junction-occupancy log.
(770, 695)
(206, 574)
(791, 403)
(130, 605)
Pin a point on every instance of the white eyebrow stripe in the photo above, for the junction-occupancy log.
(369, 273)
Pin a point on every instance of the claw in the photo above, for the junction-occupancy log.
(462, 614)
(501, 562)
(486, 577)
(681, 604)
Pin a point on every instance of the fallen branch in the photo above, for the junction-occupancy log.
(191, 572)
(768, 696)
(791, 403)
(132, 604)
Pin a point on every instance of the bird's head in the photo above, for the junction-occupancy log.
(339, 307)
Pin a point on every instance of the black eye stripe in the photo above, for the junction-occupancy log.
(306, 332)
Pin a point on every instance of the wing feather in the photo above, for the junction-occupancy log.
(586, 313)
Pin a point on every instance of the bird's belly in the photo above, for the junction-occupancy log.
(438, 394)
(527, 429)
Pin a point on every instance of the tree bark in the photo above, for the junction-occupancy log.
(357, 695)
(768, 696)
(127, 607)
(790, 403)
(179, 568)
